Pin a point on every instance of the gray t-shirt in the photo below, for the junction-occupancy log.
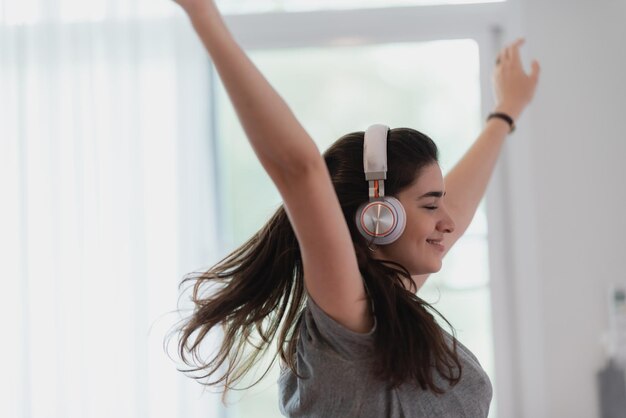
(339, 382)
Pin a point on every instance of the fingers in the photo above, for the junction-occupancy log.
(534, 72)
(507, 53)
(514, 50)
(511, 52)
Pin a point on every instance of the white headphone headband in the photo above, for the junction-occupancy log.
(375, 152)
(382, 219)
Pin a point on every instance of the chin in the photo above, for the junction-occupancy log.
(435, 267)
(426, 269)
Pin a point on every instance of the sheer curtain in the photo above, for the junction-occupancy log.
(105, 181)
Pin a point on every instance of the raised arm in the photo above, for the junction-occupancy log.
(276, 136)
(467, 182)
(293, 162)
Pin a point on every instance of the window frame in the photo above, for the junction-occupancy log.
(487, 24)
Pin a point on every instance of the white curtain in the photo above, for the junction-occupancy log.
(106, 188)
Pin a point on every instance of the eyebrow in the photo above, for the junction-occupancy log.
(432, 194)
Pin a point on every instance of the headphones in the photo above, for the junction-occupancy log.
(382, 219)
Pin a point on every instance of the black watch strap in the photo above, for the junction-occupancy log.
(504, 117)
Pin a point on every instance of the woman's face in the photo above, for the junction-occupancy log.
(427, 220)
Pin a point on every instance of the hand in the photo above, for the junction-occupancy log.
(194, 6)
(513, 88)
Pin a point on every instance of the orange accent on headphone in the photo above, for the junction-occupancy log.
(376, 193)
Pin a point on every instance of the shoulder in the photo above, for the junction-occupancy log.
(321, 332)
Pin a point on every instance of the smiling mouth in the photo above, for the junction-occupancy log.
(436, 244)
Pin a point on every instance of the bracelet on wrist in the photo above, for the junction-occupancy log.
(504, 117)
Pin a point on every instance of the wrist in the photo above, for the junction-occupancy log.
(504, 118)
(513, 111)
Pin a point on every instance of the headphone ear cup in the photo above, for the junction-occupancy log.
(381, 221)
(400, 224)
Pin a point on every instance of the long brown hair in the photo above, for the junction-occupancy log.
(258, 290)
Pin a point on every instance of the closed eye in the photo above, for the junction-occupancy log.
(431, 207)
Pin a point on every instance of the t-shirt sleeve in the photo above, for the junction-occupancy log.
(325, 333)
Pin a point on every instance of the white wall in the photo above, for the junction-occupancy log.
(576, 129)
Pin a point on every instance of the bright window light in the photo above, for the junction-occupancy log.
(420, 85)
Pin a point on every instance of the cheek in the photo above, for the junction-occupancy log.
(419, 229)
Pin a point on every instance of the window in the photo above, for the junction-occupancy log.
(102, 211)
(134, 66)
(430, 86)
(69, 11)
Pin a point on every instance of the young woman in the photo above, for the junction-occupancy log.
(333, 276)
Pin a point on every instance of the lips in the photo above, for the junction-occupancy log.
(436, 243)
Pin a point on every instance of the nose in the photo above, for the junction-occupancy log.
(446, 223)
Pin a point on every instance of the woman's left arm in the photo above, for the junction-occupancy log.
(467, 182)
